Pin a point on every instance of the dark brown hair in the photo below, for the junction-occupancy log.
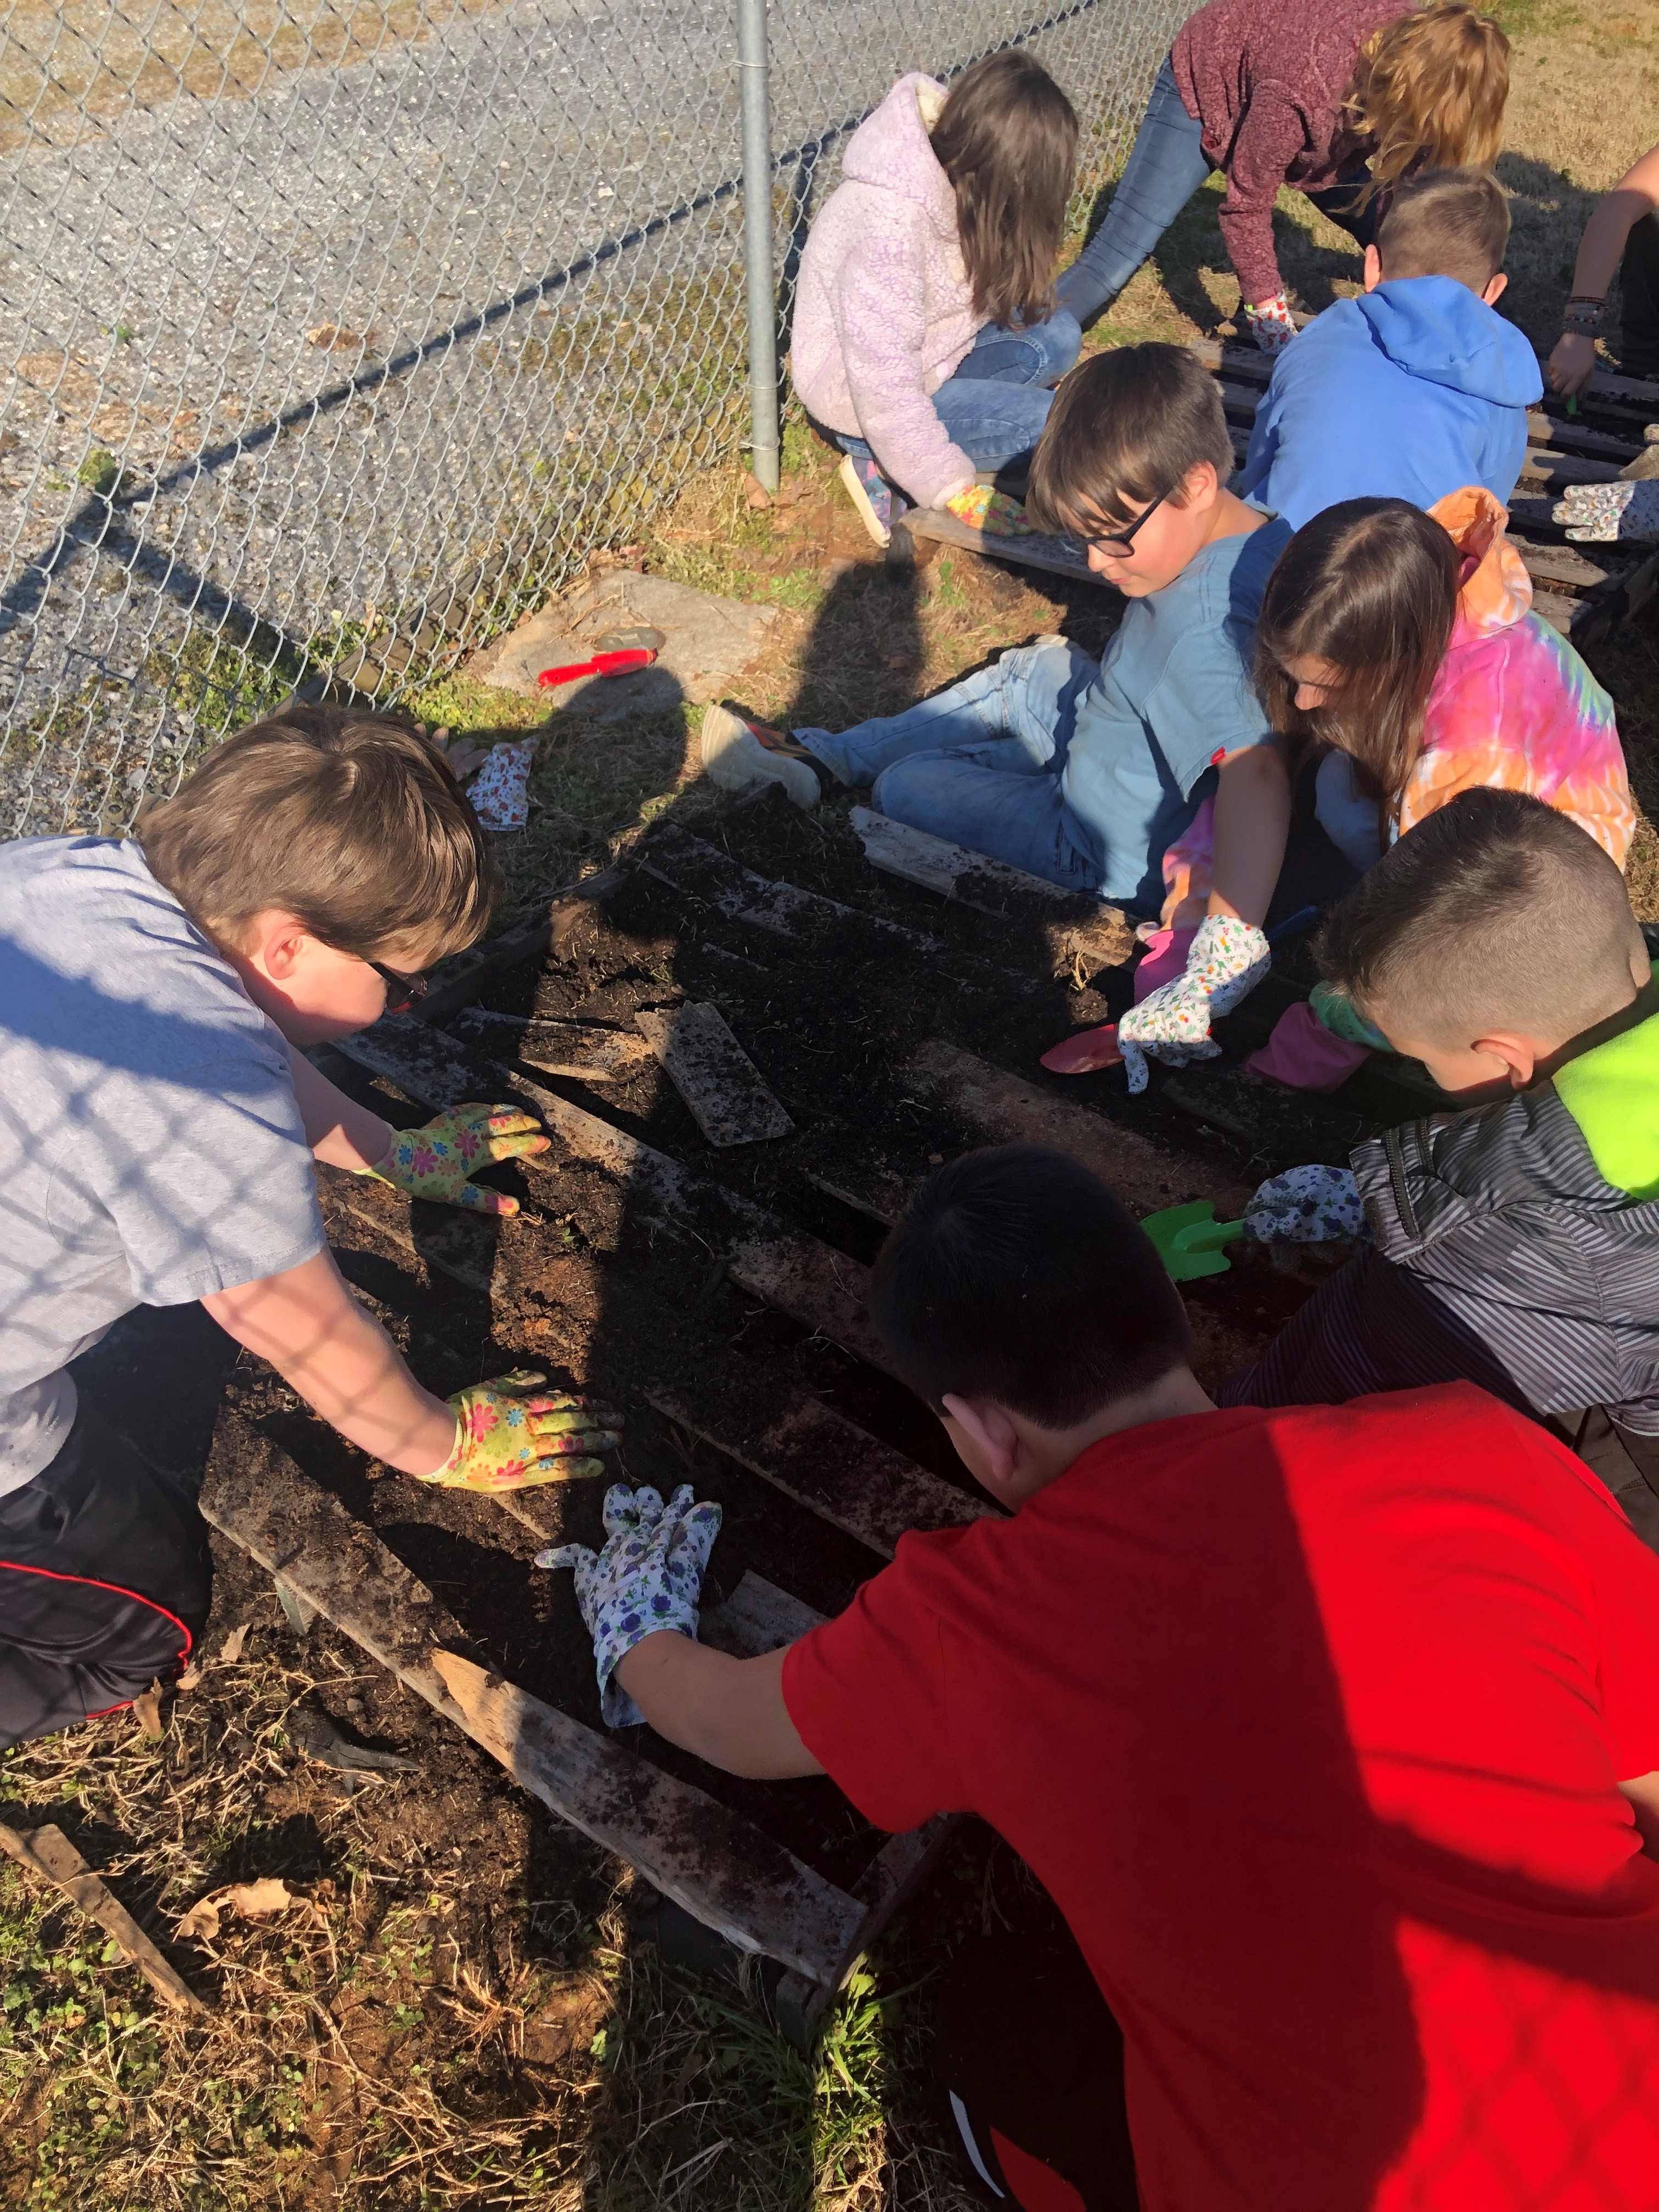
(350, 822)
(1007, 141)
(1128, 424)
(1446, 222)
(1016, 1275)
(1493, 914)
(1429, 91)
(1369, 586)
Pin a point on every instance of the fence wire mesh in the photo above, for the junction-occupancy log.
(339, 331)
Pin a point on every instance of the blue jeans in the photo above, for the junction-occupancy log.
(995, 402)
(983, 764)
(1166, 165)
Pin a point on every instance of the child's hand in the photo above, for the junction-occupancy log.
(508, 1439)
(437, 1160)
(1306, 1205)
(648, 1576)
(1228, 959)
(1573, 362)
(1269, 324)
(983, 508)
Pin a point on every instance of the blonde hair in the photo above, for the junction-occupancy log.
(1428, 90)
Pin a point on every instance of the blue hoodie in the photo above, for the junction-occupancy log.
(1408, 392)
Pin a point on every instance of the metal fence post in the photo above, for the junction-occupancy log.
(752, 73)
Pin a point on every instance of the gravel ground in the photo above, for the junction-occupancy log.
(182, 278)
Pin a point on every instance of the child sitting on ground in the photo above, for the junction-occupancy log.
(926, 340)
(1085, 772)
(1417, 387)
(1516, 1244)
(1402, 646)
(156, 1147)
(1332, 1731)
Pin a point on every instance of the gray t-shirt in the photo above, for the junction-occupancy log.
(151, 1151)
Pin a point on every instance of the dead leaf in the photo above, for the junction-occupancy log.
(333, 338)
(249, 1900)
(230, 1650)
(146, 1711)
(191, 1678)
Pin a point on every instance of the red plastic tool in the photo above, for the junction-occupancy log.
(1084, 1051)
(602, 664)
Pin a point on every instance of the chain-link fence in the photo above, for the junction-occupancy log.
(338, 332)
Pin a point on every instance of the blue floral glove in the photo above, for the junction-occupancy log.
(1228, 959)
(1306, 1205)
(648, 1576)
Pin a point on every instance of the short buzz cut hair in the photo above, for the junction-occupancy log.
(1126, 425)
(1017, 1275)
(1446, 222)
(351, 822)
(1495, 913)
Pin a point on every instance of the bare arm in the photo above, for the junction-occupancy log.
(1251, 823)
(1644, 1794)
(728, 1711)
(322, 1343)
(1636, 194)
(337, 1130)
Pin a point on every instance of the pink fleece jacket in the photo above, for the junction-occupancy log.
(884, 310)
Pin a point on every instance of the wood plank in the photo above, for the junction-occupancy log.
(47, 1853)
(1092, 930)
(1557, 470)
(1054, 556)
(1006, 1110)
(729, 1099)
(758, 1617)
(820, 1459)
(890, 1879)
(1560, 612)
(699, 870)
(718, 1865)
(713, 1861)
(1560, 564)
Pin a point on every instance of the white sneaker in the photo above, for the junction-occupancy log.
(735, 757)
(853, 485)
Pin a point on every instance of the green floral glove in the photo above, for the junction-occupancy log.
(436, 1161)
(509, 1440)
(983, 508)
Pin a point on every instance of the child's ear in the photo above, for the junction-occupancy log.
(1495, 288)
(1373, 269)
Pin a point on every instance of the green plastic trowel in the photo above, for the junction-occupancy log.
(1189, 1239)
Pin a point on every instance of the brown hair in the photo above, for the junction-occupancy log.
(352, 823)
(1128, 424)
(1369, 586)
(1494, 914)
(1446, 222)
(1007, 141)
(1428, 91)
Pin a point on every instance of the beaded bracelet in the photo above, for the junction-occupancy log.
(1582, 316)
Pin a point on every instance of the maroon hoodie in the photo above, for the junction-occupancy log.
(1266, 79)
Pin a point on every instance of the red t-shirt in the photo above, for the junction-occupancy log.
(1310, 1722)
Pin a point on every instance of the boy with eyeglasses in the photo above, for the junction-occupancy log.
(1085, 772)
(158, 1124)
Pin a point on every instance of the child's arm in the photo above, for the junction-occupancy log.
(1605, 233)
(728, 1711)
(1252, 825)
(323, 1344)
(337, 1129)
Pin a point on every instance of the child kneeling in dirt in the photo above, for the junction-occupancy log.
(156, 1148)
(1515, 1245)
(1359, 1873)
(1085, 772)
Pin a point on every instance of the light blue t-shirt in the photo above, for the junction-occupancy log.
(151, 1148)
(1174, 692)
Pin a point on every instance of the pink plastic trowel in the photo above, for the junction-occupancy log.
(1083, 1051)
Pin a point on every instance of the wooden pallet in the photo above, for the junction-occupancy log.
(1583, 591)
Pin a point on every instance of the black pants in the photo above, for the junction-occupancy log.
(1028, 2064)
(1639, 282)
(105, 1582)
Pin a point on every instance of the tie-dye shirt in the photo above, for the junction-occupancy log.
(1512, 707)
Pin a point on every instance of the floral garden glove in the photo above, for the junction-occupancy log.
(1306, 1205)
(509, 1439)
(983, 508)
(648, 1576)
(1269, 322)
(1228, 959)
(435, 1162)
(1597, 514)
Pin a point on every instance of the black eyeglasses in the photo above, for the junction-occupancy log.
(402, 992)
(1123, 542)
